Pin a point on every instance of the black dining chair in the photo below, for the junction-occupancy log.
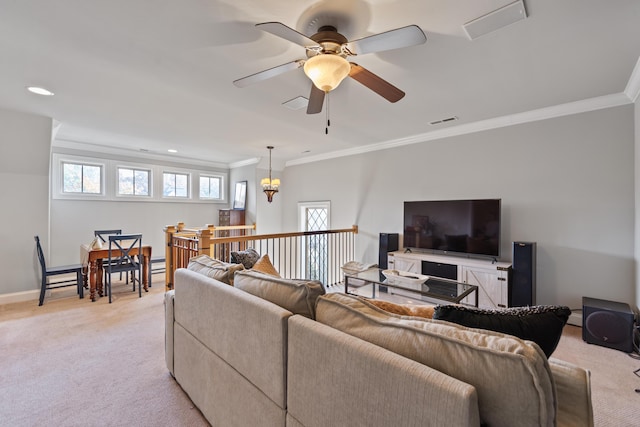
(103, 235)
(122, 259)
(47, 272)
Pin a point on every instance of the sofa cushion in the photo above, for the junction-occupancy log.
(415, 310)
(540, 324)
(296, 295)
(264, 265)
(247, 257)
(512, 376)
(214, 268)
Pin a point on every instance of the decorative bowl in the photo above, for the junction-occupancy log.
(405, 278)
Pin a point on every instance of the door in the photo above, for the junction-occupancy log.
(314, 216)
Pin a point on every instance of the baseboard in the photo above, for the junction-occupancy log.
(19, 297)
(576, 318)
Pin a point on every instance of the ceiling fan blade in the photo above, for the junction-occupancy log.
(394, 39)
(375, 83)
(267, 74)
(287, 33)
(316, 99)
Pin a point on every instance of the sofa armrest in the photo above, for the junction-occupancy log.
(573, 391)
(168, 329)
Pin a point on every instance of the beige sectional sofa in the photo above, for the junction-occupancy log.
(247, 361)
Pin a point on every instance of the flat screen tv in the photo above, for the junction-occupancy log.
(470, 227)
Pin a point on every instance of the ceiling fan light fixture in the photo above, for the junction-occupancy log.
(326, 71)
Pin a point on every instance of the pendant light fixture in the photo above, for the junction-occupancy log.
(270, 186)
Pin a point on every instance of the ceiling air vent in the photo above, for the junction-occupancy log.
(441, 121)
(296, 103)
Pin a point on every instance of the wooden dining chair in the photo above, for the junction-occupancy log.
(47, 272)
(123, 260)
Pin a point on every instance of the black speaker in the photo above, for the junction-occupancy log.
(607, 323)
(522, 290)
(388, 243)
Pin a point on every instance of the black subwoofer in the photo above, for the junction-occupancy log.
(607, 323)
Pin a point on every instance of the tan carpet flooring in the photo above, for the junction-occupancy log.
(76, 363)
(72, 362)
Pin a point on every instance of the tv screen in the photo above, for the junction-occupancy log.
(459, 226)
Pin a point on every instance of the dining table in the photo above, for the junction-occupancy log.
(93, 271)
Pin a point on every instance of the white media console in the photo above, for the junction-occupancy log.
(491, 277)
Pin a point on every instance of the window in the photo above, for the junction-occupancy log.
(133, 182)
(175, 184)
(80, 178)
(210, 187)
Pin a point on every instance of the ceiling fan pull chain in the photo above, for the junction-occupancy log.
(326, 129)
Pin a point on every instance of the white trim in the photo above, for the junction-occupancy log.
(302, 210)
(570, 108)
(146, 155)
(242, 163)
(633, 85)
(23, 296)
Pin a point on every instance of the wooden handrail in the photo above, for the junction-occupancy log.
(353, 229)
(292, 253)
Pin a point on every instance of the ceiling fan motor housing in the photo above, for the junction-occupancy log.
(330, 40)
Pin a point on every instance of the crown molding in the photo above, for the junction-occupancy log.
(242, 163)
(96, 148)
(592, 104)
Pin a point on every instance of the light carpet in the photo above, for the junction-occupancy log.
(75, 362)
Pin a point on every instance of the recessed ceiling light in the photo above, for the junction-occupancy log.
(172, 150)
(39, 90)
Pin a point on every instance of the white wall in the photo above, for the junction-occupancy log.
(74, 221)
(566, 183)
(25, 142)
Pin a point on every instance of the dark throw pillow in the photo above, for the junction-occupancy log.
(541, 324)
(247, 257)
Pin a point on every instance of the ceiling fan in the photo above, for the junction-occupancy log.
(326, 64)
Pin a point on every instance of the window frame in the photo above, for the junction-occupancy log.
(176, 172)
(109, 169)
(58, 178)
(211, 176)
(134, 168)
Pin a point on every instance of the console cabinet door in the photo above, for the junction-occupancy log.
(492, 286)
(405, 264)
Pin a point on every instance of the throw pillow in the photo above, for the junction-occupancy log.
(296, 295)
(247, 257)
(414, 310)
(540, 324)
(264, 265)
(214, 268)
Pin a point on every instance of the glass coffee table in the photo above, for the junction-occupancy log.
(434, 288)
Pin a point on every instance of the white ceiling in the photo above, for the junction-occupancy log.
(157, 74)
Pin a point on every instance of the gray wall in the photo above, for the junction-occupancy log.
(25, 142)
(566, 183)
(637, 196)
